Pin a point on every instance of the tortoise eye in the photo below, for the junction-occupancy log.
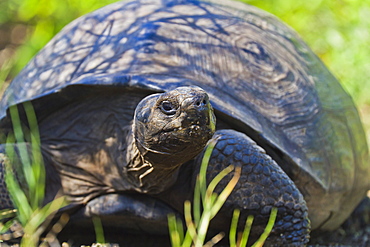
(168, 108)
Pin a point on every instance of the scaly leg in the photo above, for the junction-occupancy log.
(262, 186)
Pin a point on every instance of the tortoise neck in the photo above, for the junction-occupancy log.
(151, 172)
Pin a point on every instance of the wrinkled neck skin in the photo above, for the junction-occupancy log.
(149, 175)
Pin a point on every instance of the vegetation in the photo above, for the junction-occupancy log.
(26, 183)
(337, 31)
(206, 205)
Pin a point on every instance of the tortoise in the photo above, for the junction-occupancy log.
(127, 98)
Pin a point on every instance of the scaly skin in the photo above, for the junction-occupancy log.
(262, 185)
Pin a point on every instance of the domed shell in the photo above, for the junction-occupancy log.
(261, 77)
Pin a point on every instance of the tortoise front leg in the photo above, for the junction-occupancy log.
(262, 185)
(131, 212)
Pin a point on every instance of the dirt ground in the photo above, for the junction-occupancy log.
(354, 232)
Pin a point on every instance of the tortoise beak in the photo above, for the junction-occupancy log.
(198, 118)
(197, 110)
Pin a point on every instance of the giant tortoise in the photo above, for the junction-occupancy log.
(127, 99)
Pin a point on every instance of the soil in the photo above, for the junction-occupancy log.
(354, 232)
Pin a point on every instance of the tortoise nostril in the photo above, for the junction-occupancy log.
(200, 102)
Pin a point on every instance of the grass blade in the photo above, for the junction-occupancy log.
(37, 193)
(203, 168)
(266, 233)
(226, 192)
(176, 230)
(197, 202)
(23, 152)
(246, 231)
(233, 228)
(99, 231)
(191, 228)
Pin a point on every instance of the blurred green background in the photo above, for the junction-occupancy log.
(337, 31)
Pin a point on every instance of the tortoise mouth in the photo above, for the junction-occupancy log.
(183, 129)
(193, 131)
(188, 134)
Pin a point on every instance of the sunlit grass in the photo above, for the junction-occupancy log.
(25, 178)
(206, 204)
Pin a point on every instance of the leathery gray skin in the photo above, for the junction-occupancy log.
(261, 78)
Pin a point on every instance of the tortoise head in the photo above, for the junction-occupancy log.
(173, 127)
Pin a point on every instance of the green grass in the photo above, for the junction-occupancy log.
(338, 32)
(43, 19)
(25, 179)
(206, 204)
(26, 182)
